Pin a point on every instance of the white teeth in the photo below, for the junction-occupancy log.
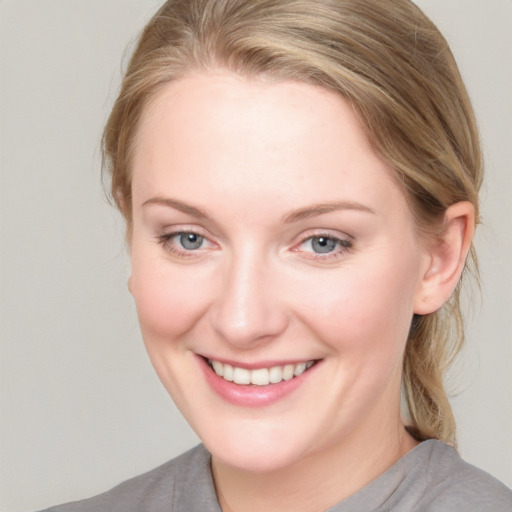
(241, 376)
(275, 374)
(299, 369)
(288, 372)
(260, 376)
(227, 372)
(218, 367)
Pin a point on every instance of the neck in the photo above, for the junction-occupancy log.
(318, 481)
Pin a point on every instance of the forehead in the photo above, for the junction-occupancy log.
(250, 139)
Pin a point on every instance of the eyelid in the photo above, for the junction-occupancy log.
(167, 234)
(328, 233)
(345, 241)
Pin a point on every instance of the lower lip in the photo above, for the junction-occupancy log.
(251, 395)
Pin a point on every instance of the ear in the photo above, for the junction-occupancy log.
(446, 256)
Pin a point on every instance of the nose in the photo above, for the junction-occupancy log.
(247, 311)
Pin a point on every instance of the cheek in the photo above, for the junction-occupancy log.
(366, 310)
(169, 301)
(169, 304)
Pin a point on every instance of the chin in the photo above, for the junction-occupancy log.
(254, 458)
(266, 451)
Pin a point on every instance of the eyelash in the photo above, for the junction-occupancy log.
(166, 241)
(342, 245)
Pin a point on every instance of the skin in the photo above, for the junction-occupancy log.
(244, 156)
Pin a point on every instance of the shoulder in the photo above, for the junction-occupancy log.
(156, 490)
(451, 484)
(430, 478)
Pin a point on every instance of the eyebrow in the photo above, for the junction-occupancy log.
(178, 205)
(323, 208)
(288, 218)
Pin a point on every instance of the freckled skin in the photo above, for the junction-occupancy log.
(246, 153)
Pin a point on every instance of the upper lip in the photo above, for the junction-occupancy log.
(259, 364)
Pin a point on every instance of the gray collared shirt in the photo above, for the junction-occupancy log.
(430, 478)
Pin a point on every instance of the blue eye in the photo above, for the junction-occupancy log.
(323, 244)
(190, 241)
(184, 243)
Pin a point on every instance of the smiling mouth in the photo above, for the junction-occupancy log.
(260, 376)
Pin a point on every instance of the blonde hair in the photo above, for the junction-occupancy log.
(394, 67)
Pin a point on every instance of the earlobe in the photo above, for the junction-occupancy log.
(446, 258)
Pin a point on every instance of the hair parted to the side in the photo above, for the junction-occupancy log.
(395, 68)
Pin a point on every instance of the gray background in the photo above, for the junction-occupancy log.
(80, 407)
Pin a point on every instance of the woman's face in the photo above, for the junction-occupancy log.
(270, 240)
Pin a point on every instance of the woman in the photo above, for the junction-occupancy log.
(300, 185)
